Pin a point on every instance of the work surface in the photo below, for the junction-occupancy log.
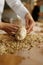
(26, 52)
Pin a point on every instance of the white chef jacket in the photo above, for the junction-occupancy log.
(16, 6)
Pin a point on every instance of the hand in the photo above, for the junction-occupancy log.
(9, 28)
(29, 23)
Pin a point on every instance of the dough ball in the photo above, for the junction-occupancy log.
(21, 33)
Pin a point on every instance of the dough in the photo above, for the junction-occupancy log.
(21, 34)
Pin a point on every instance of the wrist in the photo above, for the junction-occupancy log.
(26, 16)
(1, 25)
(29, 17)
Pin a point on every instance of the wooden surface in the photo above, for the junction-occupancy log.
(25, 56)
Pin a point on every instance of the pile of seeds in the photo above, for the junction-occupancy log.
(8, 44)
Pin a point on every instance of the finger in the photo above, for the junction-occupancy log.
(17, 26)
(12, 30)
(11, 33)
(12, 27)
(30, 28)
(9, 30)
(28, 31)
(27, 21)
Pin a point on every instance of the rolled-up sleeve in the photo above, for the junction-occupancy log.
(1, 8)
(18, 7)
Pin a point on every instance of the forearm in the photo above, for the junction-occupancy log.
(1, 25)
(18, 7)
(20, 10)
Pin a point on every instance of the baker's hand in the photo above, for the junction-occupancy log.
(9, 28)
(29, 23)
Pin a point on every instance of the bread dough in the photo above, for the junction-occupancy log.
(21, 34)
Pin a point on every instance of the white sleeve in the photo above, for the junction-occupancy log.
(18, 7)
(1, 8)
